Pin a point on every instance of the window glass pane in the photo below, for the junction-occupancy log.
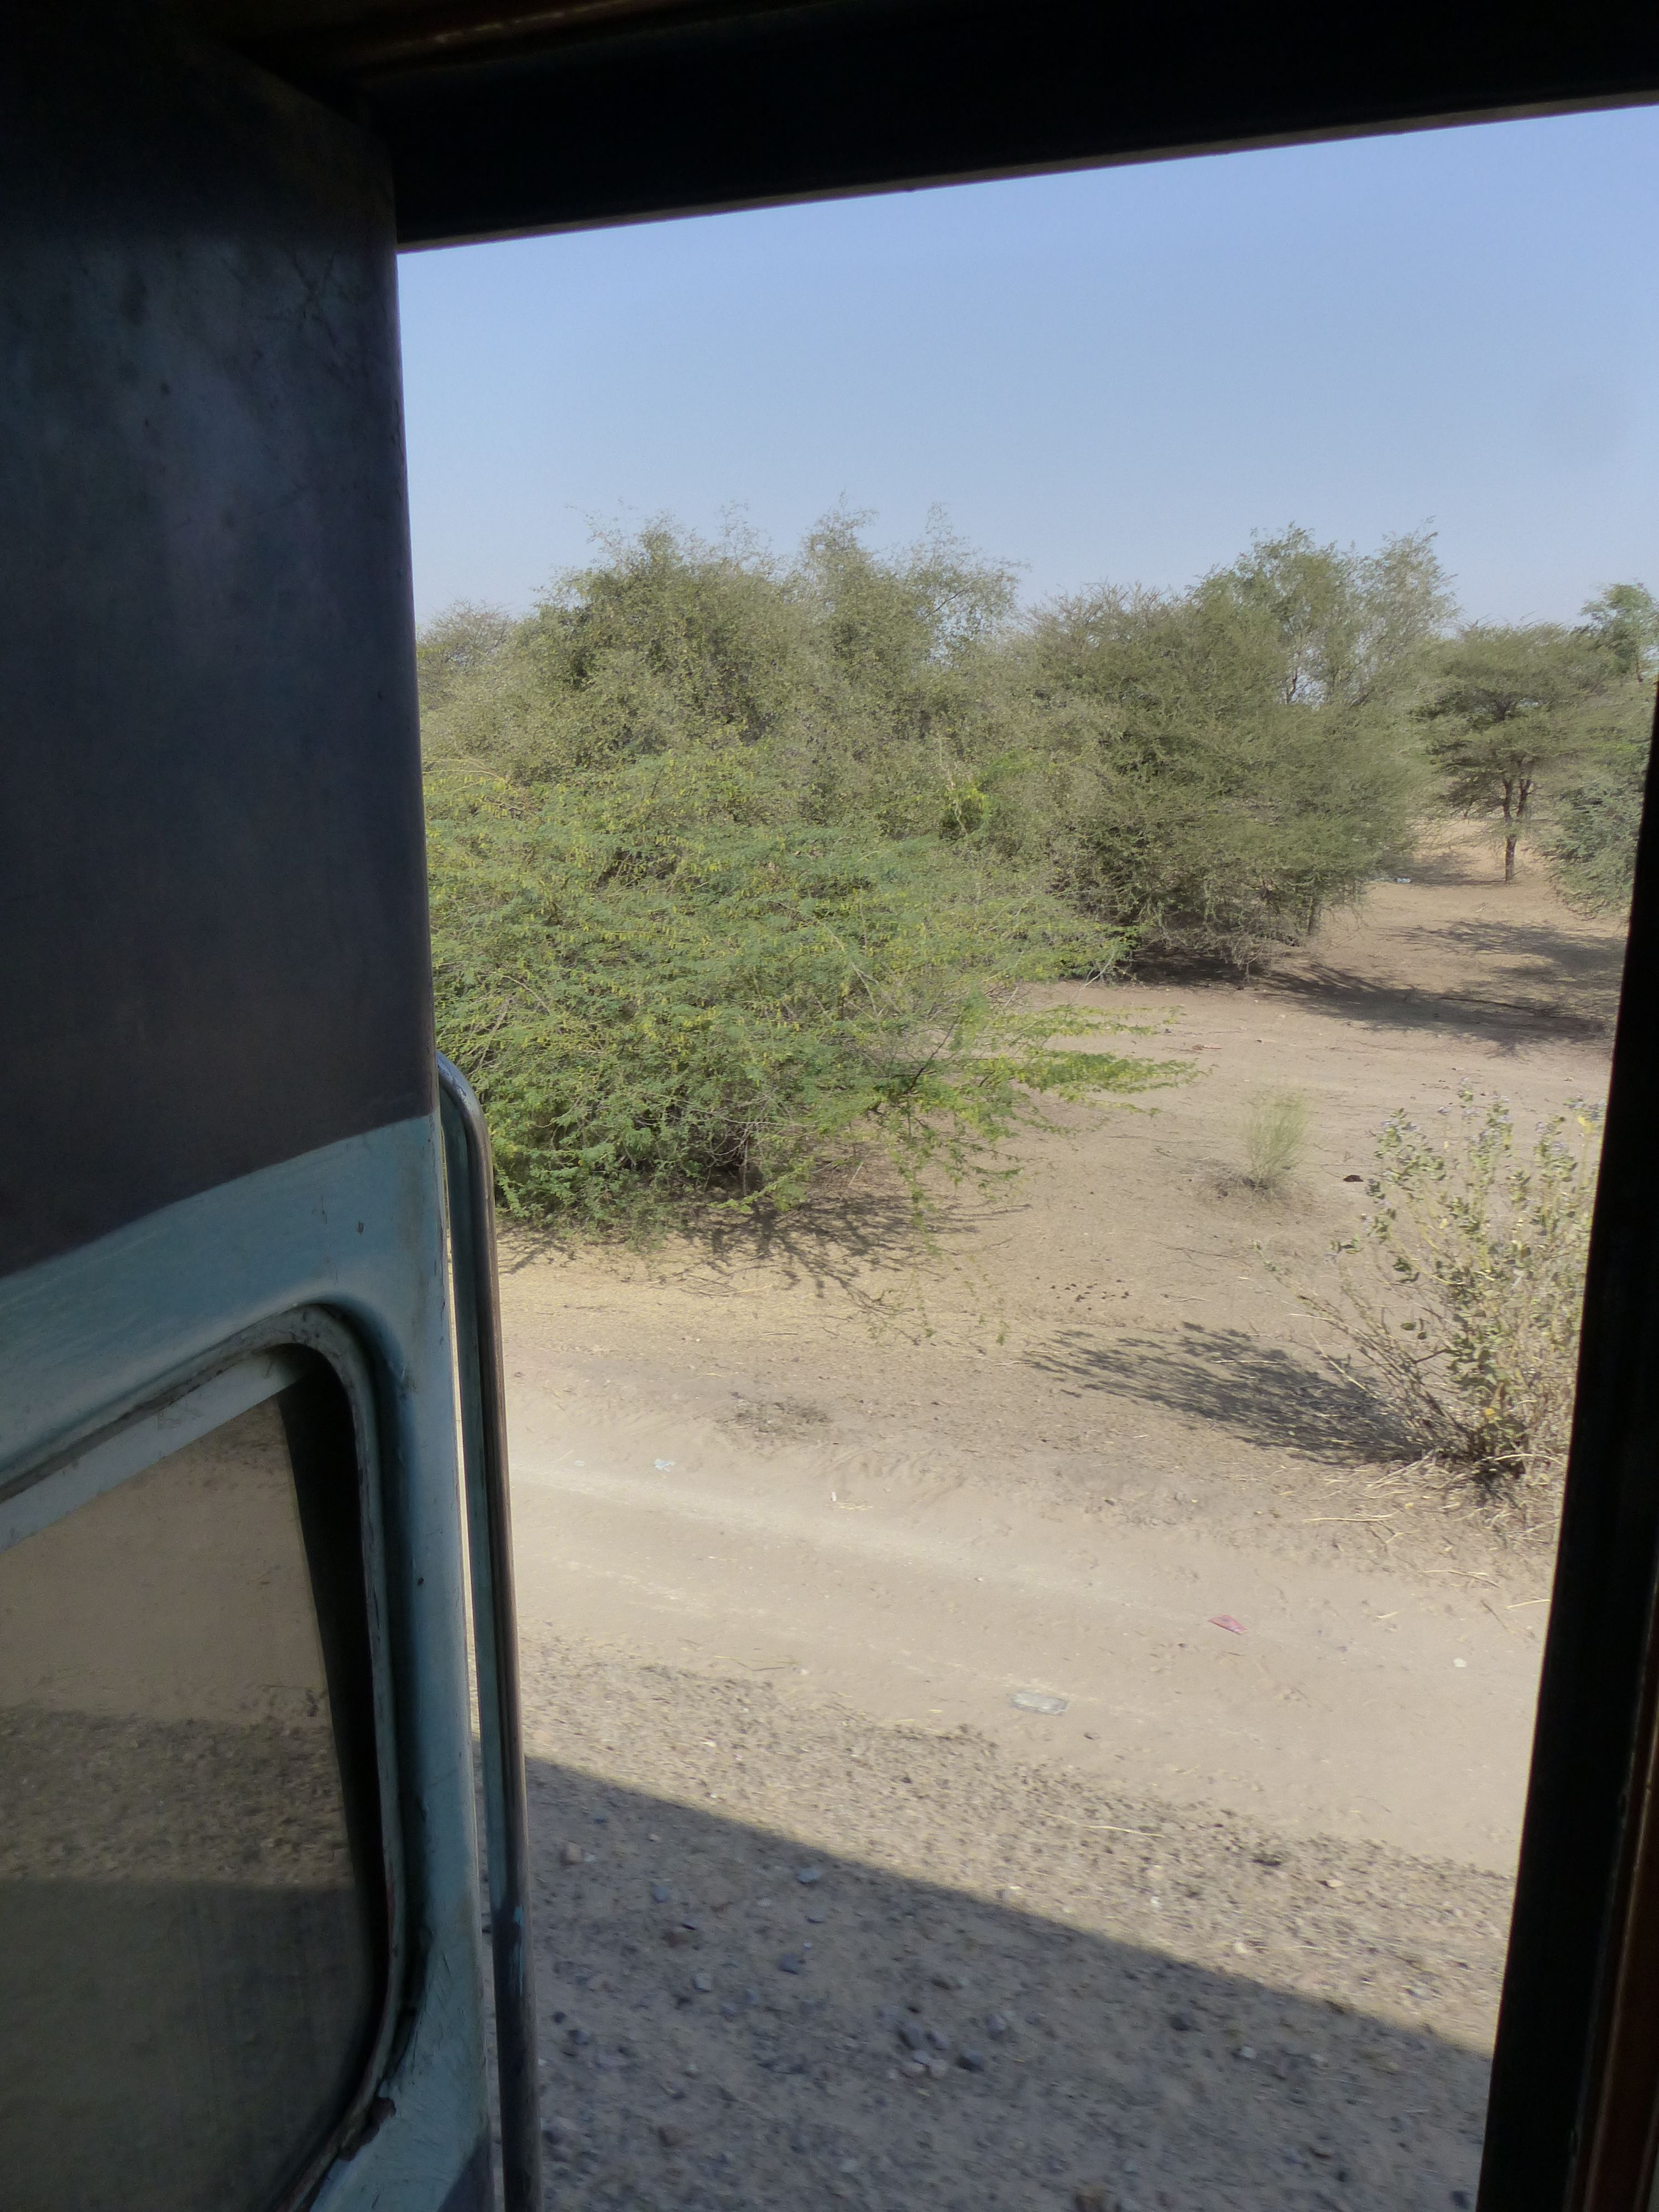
(190, 1965)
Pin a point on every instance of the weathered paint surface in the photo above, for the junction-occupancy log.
(212, 880)
(357, 1227)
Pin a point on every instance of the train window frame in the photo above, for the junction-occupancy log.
(167, 1414)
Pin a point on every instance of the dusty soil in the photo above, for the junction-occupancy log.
(886, 1967)
(1050, 1595)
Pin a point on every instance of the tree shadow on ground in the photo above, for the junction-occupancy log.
(1555, 981)
(1508, 1023)
(1579, 973)
(865, 1243)
(1556, 954)
(1264, 1393)
(729, 2025)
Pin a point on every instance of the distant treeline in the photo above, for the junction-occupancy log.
(740, 864)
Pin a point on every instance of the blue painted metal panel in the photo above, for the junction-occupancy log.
(356, 1227)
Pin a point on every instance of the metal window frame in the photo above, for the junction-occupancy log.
(470, 1191)
(1572, 2121)
(245, 1370)
(736, 106)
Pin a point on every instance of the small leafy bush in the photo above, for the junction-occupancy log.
(1462, 1291)
(1275, 1139)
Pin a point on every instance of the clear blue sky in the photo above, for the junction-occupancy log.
(1115, 374)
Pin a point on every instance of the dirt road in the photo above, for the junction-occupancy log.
(908, 1600)
(800, 1518)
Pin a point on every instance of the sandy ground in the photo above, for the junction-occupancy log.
(908, 1568)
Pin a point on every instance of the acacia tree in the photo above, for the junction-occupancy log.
(456, 644)
(1512, 706)
(1224, 761)
(1352, 627)
(1624, 620)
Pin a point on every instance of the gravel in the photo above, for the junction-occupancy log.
(1080, 2042)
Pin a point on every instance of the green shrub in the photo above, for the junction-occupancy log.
(1225, 762)
(657, 1005)
(1590, 841)
(740, 865)
(1275, 1139)
(1462, 1291)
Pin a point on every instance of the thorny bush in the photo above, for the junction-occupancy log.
(658, 1004)
(1461, 1292)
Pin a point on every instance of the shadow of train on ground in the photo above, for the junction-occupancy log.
(1152, 2010)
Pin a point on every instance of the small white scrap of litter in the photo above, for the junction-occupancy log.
(663, 1465)
(1037, 1701)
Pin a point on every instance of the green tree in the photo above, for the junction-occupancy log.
(1229, 760)
(708, 916)
(1624, 620)
(1513, 707)
(738, 861)
(1352, 627)
(660, 1000)
(1590, 839)
(459, 644)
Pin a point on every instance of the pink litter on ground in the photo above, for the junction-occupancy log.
(1225, 1620)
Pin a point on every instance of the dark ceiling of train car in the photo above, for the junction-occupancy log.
(353, 37)
(529, 115)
